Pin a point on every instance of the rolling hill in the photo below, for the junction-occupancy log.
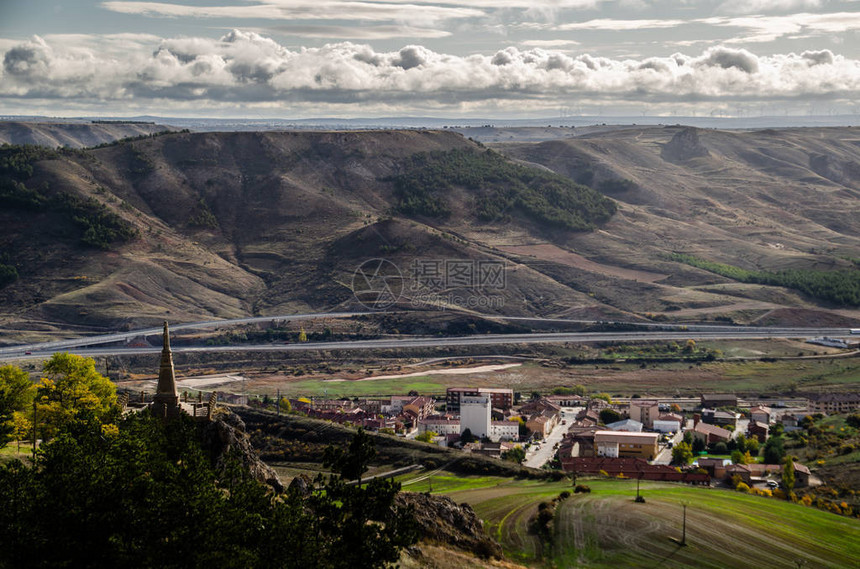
(194, 226)
(74, 134)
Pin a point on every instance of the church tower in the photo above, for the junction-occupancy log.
(165, 404)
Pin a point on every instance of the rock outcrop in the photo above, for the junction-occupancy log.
(225, 439)
(684, 146)
(445, 522)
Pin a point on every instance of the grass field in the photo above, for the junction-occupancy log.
(606, 528)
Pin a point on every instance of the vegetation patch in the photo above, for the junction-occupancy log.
(501, 188)
(840, 287)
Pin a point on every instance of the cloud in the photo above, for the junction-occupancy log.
(769, 28)
(300, 10)
(358, 32)
(548, 43)
(246, 68)
(742, 7)
(620, 25)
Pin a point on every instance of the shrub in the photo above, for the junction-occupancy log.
(582, 489)
(742, 487)
(564, 495)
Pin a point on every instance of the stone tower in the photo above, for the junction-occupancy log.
(165, 404)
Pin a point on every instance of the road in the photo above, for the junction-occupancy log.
(535, 458)
(79, 345)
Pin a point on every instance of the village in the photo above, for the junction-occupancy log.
(595, 435)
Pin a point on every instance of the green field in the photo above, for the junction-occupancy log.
(606, 528)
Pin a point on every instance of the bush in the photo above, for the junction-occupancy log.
(742, 487)
(720, 448)
(565, 494)
(582, 489)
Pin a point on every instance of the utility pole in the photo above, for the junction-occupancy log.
(684, 530)
(34, 431)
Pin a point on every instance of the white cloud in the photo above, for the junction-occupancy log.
(245, 68)
(548, 43)
(739, 7)
(770, 28)
(620, 25)
(300, 10)
(357, 32)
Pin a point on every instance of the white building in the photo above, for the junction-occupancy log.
(476, 415)
(440, 426)
(504, 431)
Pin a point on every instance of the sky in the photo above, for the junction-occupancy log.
(442, 58)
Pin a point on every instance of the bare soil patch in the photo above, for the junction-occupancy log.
(550, 252)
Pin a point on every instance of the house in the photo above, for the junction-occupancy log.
(710, 433)
(801, 475)
(439, 425)
(541, 425)
(668, 423)
(505, 431)
(714, 400)
(719, 418)
(834, 402)
(566, 400)
(540, 406)
(628, 425)
(758, 430)
(761, 414)
(420, 406)
(644, 411)
(577, 442)
(741, 470)
(494, 450)
(716, 467)
(501, 398)
(620, 444)
(632, 468)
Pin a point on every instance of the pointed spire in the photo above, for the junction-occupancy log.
(166, 392)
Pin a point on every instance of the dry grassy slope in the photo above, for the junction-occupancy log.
(292, 216)
(72, 135)
(759, 200)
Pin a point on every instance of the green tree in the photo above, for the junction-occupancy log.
(466, 436)
(682, 453)
(774, 450)
(16, 392)
(604, 396)
(72, 385)
(426, 437)
(285, 405)
(516, 454)
(353, 462)
(788, 474)
(608, 416)
(303, 337)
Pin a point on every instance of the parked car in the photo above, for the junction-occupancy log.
(772, 484)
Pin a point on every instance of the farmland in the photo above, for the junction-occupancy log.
(605, 528)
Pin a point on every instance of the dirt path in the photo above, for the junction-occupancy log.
(549, 252)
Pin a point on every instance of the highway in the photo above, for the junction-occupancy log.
(79, 346)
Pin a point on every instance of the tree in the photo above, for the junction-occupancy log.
(739, 457)
(466, 436)
(353, 462)
(604, 396)
(788, 474)
(285, 405)
(426, 437)
(682, 453)
(303, 337)
(608, 416)
(22, 427)
(774, 451)
(516, 454)
(675, 408)
(690, 346)
(698, 445)
(753, 446)
(16, 392)
(72, 386)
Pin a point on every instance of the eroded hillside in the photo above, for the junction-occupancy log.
(201, 226)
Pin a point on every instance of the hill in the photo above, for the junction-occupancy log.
(74, 134)
(198, 226)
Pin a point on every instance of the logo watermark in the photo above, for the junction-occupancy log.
(379, 284)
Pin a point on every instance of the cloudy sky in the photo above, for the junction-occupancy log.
(454, 58)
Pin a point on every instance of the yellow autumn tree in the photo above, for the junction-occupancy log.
(71, 385)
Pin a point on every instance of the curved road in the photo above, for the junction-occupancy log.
(78, 346)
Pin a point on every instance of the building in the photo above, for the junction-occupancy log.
(504, 431)
(644, 411)
(501, 398)
(668, 423)
(628, 425)
(801, 475)
(761, 414)
(540, 425)
(719, 418)
(620, 444)
(714, 400)
(420, 406)
(710, 433)
(476, 415)
(758, 430)
(566, 400)
(831, 403)
(541, 405)
(440, 426)
(165, 404)
(632, 468)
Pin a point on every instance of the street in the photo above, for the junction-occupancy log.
(537, 457)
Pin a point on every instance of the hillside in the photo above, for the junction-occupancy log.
(196, 226)
(73, 134)
(229, 224)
